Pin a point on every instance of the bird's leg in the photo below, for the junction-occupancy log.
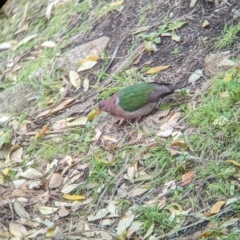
(121, 121)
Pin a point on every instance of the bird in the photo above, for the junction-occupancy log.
(136, 100)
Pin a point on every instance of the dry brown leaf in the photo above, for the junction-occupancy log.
(99, 215)
(31, 173)
(44, 113)
(23, 28)
(61, 124)
(55, 180)
(63, 212)
(42, 131)
(215, 208)
(17, 230)
(20, 210)
(105, 235)
(140, 190)
(14, 155)
(134, 228)
(187, 178)
(157, 69)
(62, 105)
(176, 210)
(75, 79)
(205, 24)
(45, 210)
(68, 188)
(125, 222)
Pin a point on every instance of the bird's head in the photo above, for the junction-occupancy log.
(102, 105)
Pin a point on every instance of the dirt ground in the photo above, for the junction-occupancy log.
(184, 58)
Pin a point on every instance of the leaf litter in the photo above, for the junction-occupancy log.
(65, 179)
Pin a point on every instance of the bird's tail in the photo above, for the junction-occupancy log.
(177, 86)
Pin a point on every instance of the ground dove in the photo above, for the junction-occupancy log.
(136, 100)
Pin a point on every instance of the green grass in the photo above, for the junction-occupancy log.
(228, 37)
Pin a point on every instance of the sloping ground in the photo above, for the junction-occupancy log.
(172, 175)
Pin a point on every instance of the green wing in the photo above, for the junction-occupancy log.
(134, 97)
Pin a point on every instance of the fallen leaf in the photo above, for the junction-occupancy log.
(4, 138)
(81, 121)
(45, 210)
(68, 188)
(192, 3)
(49, 10)
(134, 228)
(86, 66)
(140, 190)
(62, 105)
(233, 162)
(55, 180)
(205, 24)
(42, 131)
(176, 210)
(85, 84)
(109, 138)
(175, 37)
(5, 45)
(125, 222)
(14, 155)
(4, 117)
(31, 173)
(157, 69)
(88, 59)
(197, 74)
(215, 208)
(117, 3)
(187, 178)
(105, 235)
(212, 234)
(23, 28)
(61, 124)
(224, 95)
(20, 210)
(75, 79)
(220, 121)
(149, 231)
(99, 215)
(176, 25)
(228, 77)
(49, 44)
(73, 197)
(44, 113)
(92, 114)
(25, 40)
(106, 222)
(63, 212)
(17, 230)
